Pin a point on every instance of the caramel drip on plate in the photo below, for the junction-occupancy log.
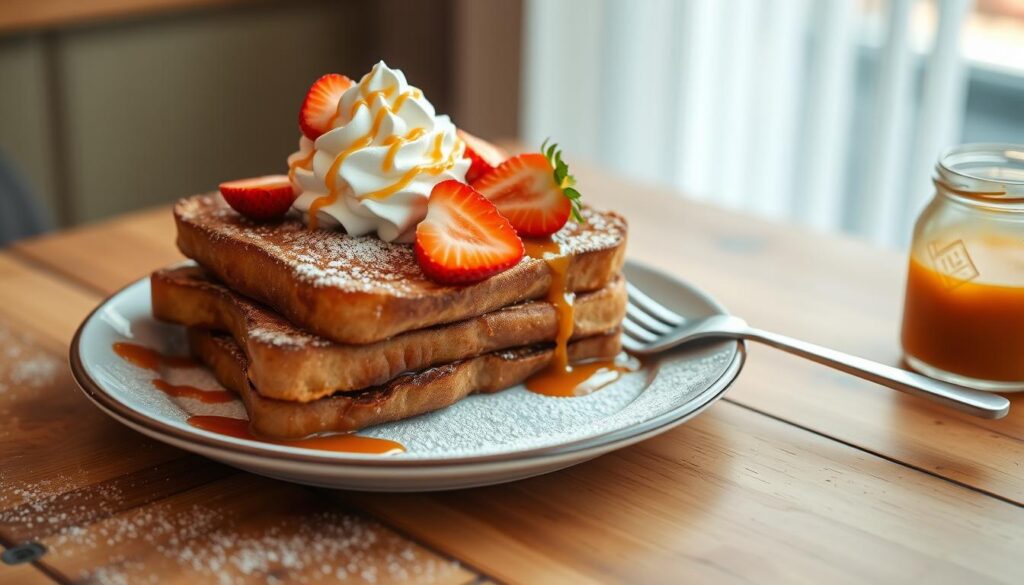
(239, 428)
(150, 359)
(184, 391)
(558, 294)
(578, 379)
(560, 378)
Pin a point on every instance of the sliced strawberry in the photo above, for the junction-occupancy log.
(464, 238)
(259, 198)
(484, 155)
(534, 191)
(321, 104)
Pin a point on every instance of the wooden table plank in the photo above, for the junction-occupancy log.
(25, 574)
(45, 305)
(244, 529)
(827, 289)
(53, 433)
(91, 489)
(731, 497)
(55, 446)
(108, 255)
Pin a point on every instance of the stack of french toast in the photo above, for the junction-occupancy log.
(321, 330)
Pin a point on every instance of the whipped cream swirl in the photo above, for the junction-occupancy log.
(373, 172)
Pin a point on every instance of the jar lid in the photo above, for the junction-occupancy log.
(989, 170)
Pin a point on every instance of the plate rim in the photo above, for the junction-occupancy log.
(649, 428)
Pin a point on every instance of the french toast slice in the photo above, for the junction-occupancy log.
(403, 397)
(361, 290)
(287, 363)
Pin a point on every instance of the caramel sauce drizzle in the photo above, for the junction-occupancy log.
(332, 172)
(578, 379)
(560, 378)
(435, 167)
(558, 295)
(394, 143)
(414, 93)
(239, 428)
(303, 163)
(150, 359)
(185, 391)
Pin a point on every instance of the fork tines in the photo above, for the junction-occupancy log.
(646, 319)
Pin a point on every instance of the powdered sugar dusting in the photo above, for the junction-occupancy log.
(262, 325)
(598, 231)
(215, 537)
(23, 366)
(45, 511)
(518, 420)
(285, 336)
(321, 257)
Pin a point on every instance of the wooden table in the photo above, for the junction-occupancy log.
(801, 474)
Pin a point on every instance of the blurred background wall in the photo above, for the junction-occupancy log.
(827, 113)
(112, 105)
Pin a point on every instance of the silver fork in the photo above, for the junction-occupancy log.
(651, 328)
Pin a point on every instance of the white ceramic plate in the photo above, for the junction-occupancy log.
(480, 440)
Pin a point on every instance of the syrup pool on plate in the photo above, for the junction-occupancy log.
(148, 358)
(571, 380)
(239, 428)
(186, 391)
(151, 359)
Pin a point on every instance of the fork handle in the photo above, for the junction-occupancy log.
(974, 402)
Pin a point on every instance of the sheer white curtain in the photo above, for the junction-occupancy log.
(760, 105)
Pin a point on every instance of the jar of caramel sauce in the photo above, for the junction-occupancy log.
(963, 317)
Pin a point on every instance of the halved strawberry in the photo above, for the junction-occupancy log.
(534, 191)
(464, 238)
(484, 155)
(259, 198)
(321, 104)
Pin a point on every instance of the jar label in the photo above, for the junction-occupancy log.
(953, 263)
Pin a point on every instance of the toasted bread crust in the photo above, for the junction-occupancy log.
(403, 397)
(361, 290)
(286, 363)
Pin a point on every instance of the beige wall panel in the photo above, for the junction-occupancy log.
(158, 109)
(487, 66)
(25, 132)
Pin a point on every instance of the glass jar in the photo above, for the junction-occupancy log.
(963, 317)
